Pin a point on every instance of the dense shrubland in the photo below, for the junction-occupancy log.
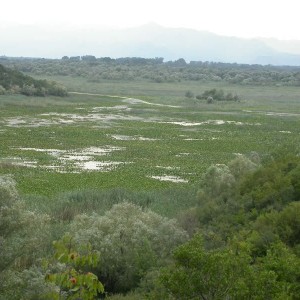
(241, 241)
(14, 82)
(156, 70)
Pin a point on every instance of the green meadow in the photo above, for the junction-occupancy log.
(161, 140)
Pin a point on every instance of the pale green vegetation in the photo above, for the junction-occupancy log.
(148, 193)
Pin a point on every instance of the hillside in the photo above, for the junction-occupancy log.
(15, 82)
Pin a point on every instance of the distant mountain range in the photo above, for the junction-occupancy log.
(149, 41)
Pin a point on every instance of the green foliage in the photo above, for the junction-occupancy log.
(274, 185)
(74, 281)
(27, 284)
(216, 274)
(286, 265)
(276, 226)
(15, 82)
(219, 95)
(22, 232)
(247, 209)
(131, 242)
(189, 94)
(155, 70)
(237, 196)
(24, 238)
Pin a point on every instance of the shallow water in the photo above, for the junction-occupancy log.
(170, 178)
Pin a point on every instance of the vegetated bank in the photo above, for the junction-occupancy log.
(15, 82)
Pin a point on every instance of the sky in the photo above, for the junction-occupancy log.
(242, 18)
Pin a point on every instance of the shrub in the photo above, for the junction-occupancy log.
(2, 90)
(219, 274)
(131, 241)
(189, 94)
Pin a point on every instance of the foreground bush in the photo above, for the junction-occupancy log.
(231, 273)
(24, 238)
(131, 242)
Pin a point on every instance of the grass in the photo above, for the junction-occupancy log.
(73, 124)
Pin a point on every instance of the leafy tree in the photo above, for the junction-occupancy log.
(24, 238)
(286, 265)
(216, 274)
(131, 242)
(273, 185)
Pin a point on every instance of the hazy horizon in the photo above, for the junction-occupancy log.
(245, 19)
(264, 32)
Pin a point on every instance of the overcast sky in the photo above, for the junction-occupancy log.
(243, 18)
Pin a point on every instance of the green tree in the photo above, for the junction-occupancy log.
(24, 238)
(217, 274)
(131, 242)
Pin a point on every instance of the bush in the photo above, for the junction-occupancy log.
(189, 94)
(2, 90)
(131, 242)
(224, 274)
(24, 234)
(218, 95)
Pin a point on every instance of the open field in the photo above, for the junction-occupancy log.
(53, 145)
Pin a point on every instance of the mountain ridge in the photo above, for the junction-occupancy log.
(149, 40)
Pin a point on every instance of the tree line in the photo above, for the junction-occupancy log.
(156, 70)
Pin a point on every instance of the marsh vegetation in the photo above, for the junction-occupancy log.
(157, 195)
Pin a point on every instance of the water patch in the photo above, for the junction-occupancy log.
(74, 161)
(272, 113)
(139, 101)
(183, 154)
(32, 122)
(120, 137)
(106, 108)
(191, 139)
(208, 122)
(285, 131)
(170, 178)
(66, 119)
(98, 165)
(168, 168)
(54, 118)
